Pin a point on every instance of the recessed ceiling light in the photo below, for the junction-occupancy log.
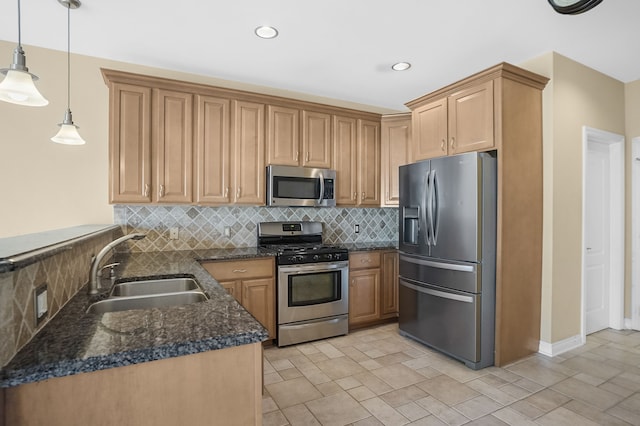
(266, 32)
(401, 66)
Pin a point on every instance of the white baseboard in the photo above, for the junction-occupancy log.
(557, 348)
(628, 324)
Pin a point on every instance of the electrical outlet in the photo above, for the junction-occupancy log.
(173, 233)
(227, 231)
(40, 303)
(356, 228)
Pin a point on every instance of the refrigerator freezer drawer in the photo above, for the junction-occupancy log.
(445, 320)
(462, 276)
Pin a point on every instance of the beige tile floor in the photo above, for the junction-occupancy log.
(377, 377)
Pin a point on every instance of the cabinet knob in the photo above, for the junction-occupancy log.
(161, 191)
(145, 192)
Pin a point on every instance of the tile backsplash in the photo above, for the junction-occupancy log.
(203, 227)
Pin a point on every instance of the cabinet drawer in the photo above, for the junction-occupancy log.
(365, 259)
(227, 270)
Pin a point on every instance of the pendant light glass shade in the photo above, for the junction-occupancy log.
(18, 87)
(68, 133)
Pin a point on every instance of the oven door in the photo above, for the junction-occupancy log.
(312, 291)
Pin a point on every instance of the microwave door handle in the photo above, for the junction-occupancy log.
(321, 188)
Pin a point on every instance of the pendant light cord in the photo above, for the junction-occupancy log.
(19, 30)
(68, 56)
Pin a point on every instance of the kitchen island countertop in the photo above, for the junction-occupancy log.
(76, 342)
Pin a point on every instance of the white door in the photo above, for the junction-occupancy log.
(597, 218)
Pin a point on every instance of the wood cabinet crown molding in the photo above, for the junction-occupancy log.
(503, 70)
(111, 76)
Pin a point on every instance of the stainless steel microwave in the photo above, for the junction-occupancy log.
(300, 186)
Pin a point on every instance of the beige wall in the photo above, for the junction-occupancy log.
(578, 96)
(49, 186)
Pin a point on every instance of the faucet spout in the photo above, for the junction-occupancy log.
(95, 262)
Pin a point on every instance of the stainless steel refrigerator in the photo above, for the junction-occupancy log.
(447, 255)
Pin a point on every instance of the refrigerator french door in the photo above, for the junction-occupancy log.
(447, 245)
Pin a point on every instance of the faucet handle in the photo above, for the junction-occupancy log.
(109, 265)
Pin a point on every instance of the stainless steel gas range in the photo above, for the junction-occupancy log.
(312, 282)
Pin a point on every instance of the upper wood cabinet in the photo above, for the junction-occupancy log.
(395, 143)
(187, 143)
(289, 144)
(460, 122)
(151, 145)
(129, 144)
(247, 164)
(429, 122)
(213, 150)
(356, 159)
(172, 146)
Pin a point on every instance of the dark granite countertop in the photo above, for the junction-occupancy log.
(372, 245)
(75, 342)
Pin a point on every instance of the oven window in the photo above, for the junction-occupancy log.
(296, 187)
(315, 288)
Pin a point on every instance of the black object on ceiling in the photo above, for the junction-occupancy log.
(573, 7)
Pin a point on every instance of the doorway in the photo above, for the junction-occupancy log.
(602, 231)
(635, 233)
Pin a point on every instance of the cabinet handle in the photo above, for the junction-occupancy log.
(443, 144)
(367, 260)
(453, 143)
(307, 157)
(355, 195)
(145, 192)
(363, 194)
(226, 192)
(161, 191)
(241, 271)
(238, 193)
(297, 155)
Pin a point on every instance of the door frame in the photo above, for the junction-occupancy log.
(635, 233)
(616, 224)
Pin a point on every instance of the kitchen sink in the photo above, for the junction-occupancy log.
(154, 286)
(150, 293)
(115, 304)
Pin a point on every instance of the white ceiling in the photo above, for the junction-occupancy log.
(341, 49)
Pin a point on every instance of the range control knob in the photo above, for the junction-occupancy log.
(316, 257)
(329, 256)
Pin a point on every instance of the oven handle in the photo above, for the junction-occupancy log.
(436, 293)
(313, 323)
(299, 269)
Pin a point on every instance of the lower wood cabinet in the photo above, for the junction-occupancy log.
(252, 283)
(373, 287)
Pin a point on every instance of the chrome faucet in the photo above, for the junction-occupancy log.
(95, 262)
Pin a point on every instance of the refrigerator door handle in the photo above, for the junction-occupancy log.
(424, 212)
(440, 265)
(435, 207)
(437, 293)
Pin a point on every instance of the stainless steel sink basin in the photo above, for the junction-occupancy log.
(154, 286)
(115, 304)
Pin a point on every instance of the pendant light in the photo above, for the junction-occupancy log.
(68, 133)
(17, 87)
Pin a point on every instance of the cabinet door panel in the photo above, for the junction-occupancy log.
(258, 298)
(316, 139)
(212, 150)
(234, 288)
(389, 292)
(173, 145)
(283, 136)
(248, 169)
(364, 290)
(395, 147)
(471, 119)
(429, 124)
(345, 146)
(369, 162)
(130, 144)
